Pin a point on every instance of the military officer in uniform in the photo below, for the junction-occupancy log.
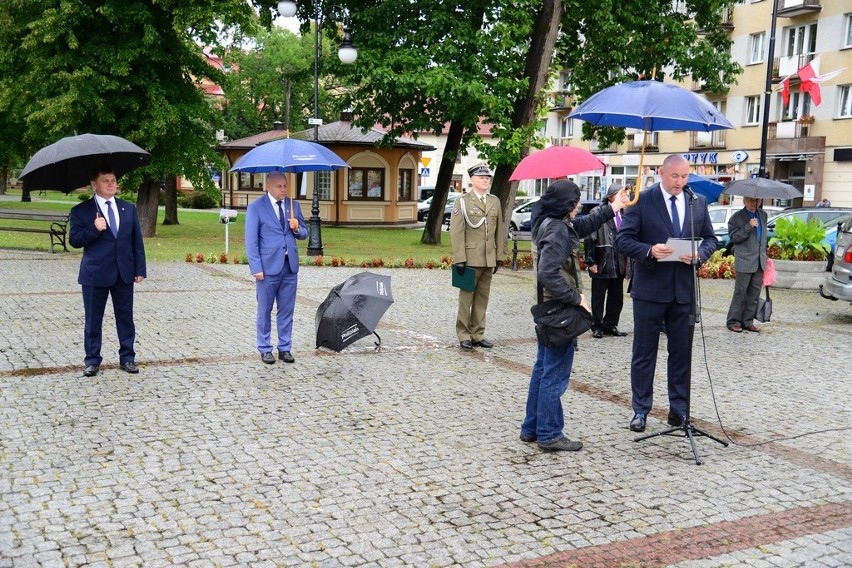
(479, 235)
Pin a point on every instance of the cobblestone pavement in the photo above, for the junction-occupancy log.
(410, 456)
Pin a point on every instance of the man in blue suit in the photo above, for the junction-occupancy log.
(113, 261)
(273, 223)
(662, 287)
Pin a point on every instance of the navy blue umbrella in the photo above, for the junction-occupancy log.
(352, 310)
(289, 155)
(706, 187)
(651, 106)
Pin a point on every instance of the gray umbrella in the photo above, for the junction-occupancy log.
(69, 163)
(762, 188)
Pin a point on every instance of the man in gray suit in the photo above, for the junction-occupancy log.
(747, 231)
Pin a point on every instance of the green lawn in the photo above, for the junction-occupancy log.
(201, 232)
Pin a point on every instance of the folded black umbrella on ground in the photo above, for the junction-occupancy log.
(352, 310)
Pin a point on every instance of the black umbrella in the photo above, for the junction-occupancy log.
(352, 310)
(69, 163)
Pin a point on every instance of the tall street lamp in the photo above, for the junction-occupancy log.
(347, 54)
(767, 93)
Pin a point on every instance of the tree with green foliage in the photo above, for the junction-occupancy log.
(126, 67)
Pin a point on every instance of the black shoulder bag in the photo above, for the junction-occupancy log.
(556, 323)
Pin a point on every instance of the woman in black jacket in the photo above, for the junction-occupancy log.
(556, 234)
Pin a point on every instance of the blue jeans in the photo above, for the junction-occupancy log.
(548, 383)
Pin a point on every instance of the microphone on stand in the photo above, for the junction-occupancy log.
(689, 192)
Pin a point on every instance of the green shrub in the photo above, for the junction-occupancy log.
(201, 200)
(796, 240)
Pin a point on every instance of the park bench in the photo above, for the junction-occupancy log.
(525, 240)
(57, 228)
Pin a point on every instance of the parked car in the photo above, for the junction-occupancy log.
(520, 214)
(830, 216)
(585, 207)
(838, 284)
(448, 208)
(721, 214)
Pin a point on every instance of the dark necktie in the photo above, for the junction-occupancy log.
(113, 227)
(675, 217)
(283, 219)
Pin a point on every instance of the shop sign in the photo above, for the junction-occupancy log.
(702, 157)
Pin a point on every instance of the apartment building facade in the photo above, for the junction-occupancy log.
(807, 145)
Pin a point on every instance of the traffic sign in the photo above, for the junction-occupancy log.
(315, 121)
(424, 172)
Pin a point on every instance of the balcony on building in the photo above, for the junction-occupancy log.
(561, 102)
(727, 23)
(788, 129)
(596, 148)
(636, 137)
(789, 65)
(714, 140)
(793, 8)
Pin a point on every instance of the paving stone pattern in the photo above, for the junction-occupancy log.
(409, 456)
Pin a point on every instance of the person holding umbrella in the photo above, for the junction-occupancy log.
(607, 269)
(273, 223)
(556, 231)
(747, 230)
(110, 235)
(479, 238)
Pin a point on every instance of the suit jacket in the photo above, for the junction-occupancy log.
(107, 258)
(749, 252)
(648, 223)
(478, 243)
(267, 242)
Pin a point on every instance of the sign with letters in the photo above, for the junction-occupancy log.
(702, 157)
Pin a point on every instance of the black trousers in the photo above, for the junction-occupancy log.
(607, 292)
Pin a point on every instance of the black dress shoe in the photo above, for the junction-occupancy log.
(527, 438)
(91, 370)
(615, 333)
(638, 423)
(484, 343)
(286, 356)
(128, 367)
(597, 334)
(676, 420)
(466, 344)
(267, 358)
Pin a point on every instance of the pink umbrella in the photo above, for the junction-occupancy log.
(556, 162)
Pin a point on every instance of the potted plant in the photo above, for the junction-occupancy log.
(806, 119)
(800, 253)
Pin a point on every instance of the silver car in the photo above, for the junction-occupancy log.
(838, 284)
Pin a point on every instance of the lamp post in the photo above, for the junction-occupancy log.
(347, 54)
(767, 92)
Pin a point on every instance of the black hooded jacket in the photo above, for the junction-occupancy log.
(558, 240)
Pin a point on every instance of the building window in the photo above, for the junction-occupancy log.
(753, 110)
(249, 182)
(366, 183)
(756, 47)
(847, 30)
(844, 108)
(800, 40)
(324, 182)
(566, 128)
(799, 105)
(403, 190)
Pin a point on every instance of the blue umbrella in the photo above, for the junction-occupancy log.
(289, 155)
(706, 187)
(651, 106)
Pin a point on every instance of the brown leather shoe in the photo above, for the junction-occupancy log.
(736, 328)
(752, 328)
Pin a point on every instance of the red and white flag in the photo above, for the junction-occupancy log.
(811, 79)
(785, 91)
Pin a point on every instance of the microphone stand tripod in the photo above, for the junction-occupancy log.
(687, 428)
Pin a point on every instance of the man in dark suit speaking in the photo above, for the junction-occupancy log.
(113, 261)
(663, 285)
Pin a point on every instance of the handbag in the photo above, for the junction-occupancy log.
(556, 323)
(764, 308)
(769, 274)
